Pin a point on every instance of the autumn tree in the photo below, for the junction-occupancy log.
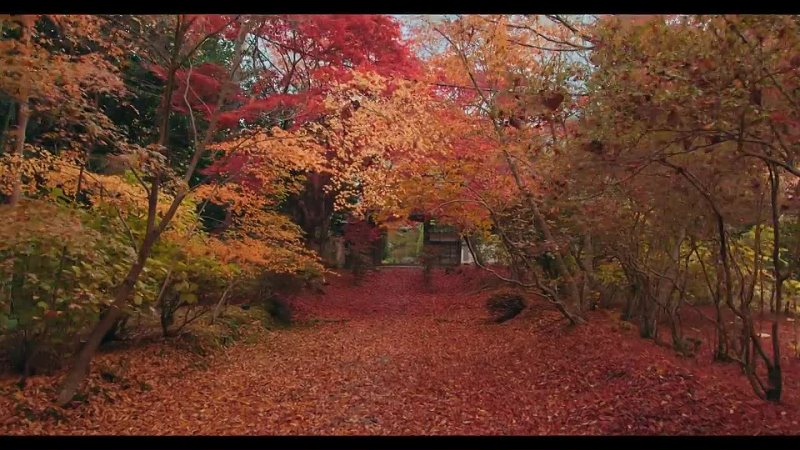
(189, 32)
(701, 135)
(297, 60)
(508, 72)
(54, 70)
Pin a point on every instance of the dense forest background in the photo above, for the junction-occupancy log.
(155, 169)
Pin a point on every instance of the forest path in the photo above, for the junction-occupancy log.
(392, 357)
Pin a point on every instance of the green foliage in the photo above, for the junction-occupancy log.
(195, 283)
(404, 245)
(610, 273)
(56, 274)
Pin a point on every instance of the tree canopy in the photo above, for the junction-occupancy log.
(165, 164)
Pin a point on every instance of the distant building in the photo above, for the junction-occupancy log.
(443, 243)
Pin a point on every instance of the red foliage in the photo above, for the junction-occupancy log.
(233, 165)
(199, 88)
(331, 46)
(361, 235)
(345, 40)
(390, 357)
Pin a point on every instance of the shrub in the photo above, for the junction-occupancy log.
(197, 283)
(56, 276)
(278, 311)
(505, 306)
(360, 238)
(268, 283)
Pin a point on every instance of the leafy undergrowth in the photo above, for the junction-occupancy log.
(393, 357)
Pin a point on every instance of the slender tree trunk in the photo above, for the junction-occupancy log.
(720, 336)
(19, 146)
(80, 367)
(165, 109)
(796, 330)
(573, 300)
(774, 371)
(672, 270)
(666, 286)
(81, 364)
(727, 281)
(585, 261)
(86, 157)
(23, 115)
(221, 303)
(476, 253)
(4, 132)
(723, 271)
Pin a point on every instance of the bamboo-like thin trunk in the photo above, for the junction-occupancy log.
(220, 304)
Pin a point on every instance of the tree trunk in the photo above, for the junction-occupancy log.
(585, 261)
(19, 146)
(313, 211)
(774, 372)
(647, 308)
(165, 109)
(474, 249)
(666, 287)
(220, 304)
(22, 119)
(6, 123)
(169, 306)
(573, 301)
(80, 368)
(589, 284)
(81, 365)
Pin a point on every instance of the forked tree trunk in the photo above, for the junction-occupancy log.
(123, 294)
(573, 300)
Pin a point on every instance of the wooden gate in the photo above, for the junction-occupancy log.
(443, 244)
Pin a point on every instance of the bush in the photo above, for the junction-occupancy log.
(360, 238)
(269, 291)
(278, 311)
(197, 283)
(505, 306)
(267, 284)
(56, 275)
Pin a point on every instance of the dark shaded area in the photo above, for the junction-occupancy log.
(278, 310)
(505, 306)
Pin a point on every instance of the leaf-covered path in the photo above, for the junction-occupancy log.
(389, 357)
